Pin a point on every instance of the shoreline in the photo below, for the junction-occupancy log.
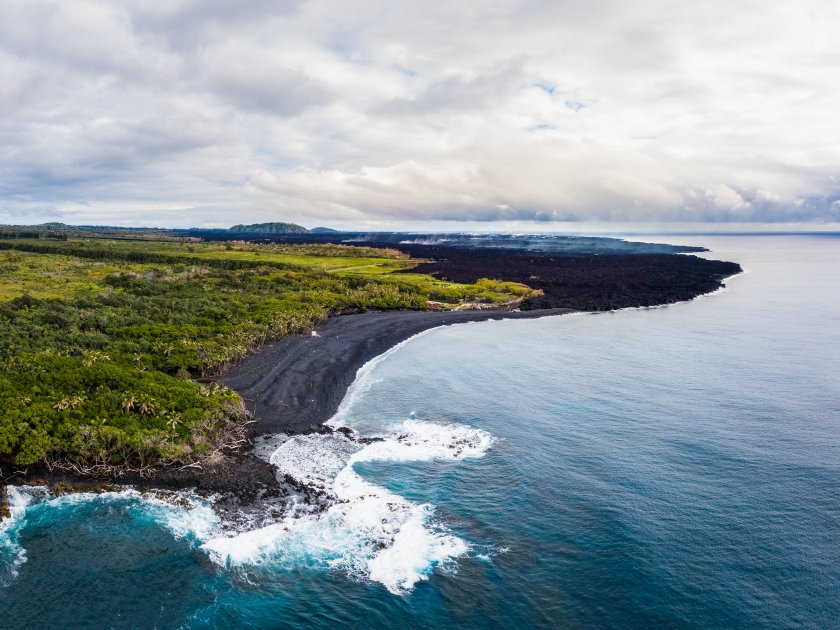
(291, 386)
(296, 384)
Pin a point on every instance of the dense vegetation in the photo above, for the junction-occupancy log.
(270, 228)
(101, 340)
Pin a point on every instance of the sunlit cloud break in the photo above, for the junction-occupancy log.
(211, 113)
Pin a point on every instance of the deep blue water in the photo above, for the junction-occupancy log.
(672, 467)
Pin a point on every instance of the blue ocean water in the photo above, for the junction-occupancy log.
(670, 467)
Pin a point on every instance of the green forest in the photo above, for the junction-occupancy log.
(107, 345)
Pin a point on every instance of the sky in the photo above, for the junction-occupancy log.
(397, 115)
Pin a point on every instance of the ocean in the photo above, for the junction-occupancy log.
(669, 467)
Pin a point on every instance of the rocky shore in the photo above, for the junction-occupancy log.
(294, 385)
(4, 503)
(595, 282)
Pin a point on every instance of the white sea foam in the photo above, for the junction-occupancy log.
(364, 379)
(415, 550)
(366, 531)
(183, 514)
(360, 528)
(12, 554)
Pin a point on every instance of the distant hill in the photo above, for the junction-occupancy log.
(270, 228)
(323, 230)
(91, 228)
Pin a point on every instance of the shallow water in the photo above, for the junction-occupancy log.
(672, 467)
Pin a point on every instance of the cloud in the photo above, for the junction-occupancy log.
(766, 195)
(272, 91)
(190, 24)
(212, 112)
(460, 93)
(723, 196)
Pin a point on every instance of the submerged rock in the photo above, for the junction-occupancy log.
(5, 512)
(70, 487)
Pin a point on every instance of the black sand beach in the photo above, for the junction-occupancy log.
(291, 386)
(295, 385)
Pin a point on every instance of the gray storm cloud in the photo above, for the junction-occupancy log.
(214, 112)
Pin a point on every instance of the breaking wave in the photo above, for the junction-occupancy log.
(185, 515)
(12, 554)
(353, 525)
(337, 521)
(358, 527)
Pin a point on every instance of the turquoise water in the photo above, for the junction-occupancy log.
(670, 467)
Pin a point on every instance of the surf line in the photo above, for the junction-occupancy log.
(356, 526)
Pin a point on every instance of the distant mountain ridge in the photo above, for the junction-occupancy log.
(270, 228)
(292, 233)
(51, 229)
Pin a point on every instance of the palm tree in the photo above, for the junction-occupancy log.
(128, 402)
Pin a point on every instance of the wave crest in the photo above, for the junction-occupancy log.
(357, 526)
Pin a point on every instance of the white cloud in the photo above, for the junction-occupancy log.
(766, 195)
(189, 113)
(724, 197)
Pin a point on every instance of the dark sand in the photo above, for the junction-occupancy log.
(291, 386)
(589, 274)
(295, 385)
(587, 283)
